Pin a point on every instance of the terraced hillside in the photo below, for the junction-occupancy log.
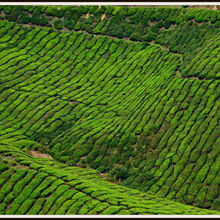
(44, 186)
(142, 109)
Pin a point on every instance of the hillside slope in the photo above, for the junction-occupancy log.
(46, 187)
(147, 113)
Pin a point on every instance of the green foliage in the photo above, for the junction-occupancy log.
(216, 204)
(3, 166)
(146, 111)
(58, 24)
(120, 172)
(132, 138)
(44, 21)
(154, 29)
(14, 13)
(135, 36)
(167, 23)
(51, 11)
(109, 10)
(149, 36)
(8, 9)
(24, 18)
(35, 19)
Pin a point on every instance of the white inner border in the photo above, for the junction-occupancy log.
(109, 3)
(109, 216)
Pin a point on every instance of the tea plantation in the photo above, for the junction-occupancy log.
(109, 110)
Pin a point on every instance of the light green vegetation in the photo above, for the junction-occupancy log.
(45, 186)
(146, 114)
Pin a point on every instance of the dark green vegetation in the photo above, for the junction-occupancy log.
(132, 92)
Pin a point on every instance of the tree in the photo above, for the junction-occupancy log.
(58, 24)
(35, 19)
(24, 18)
(15, 12)
(43, 20)
(69, 24)
(119, 33)
(159, 24)
(156, 17)
(154, 29)
(167, 23)
(8, 9)
(93, 8)
(149, 36)
(135, 36)
(51, 11)
(59, 13)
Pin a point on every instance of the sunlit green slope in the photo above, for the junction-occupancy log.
(146, 113)
(44, 186)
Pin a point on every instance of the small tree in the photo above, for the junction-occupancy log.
(36, 17)
(159, 24)
(8, 9)
(120, 172)
(149, 36)
(69, 24)
(154, 29)
(135, 36)
(58, 24)
(167, 24)
(43, 20)
(51, 11)
(24, 18)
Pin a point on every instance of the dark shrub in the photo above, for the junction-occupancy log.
(128, 30)
(217, 24)
(78, 26)
(8, 9)
(43, 20)
(58, 24)
(59, 13)
(51, 11)
(119, 33)
(24, 18)
(167, 24)
(154, 29)
(85, 9)
(149, 36)
(120, 172)
(135, 36)
(159, 24)
(36, 17)
(156, 17)
(69, 24)
(145, 44)
(15, 12)
(131, 11)
(93, 9)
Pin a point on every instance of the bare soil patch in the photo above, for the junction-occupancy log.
(38, 154)
(103, 16)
